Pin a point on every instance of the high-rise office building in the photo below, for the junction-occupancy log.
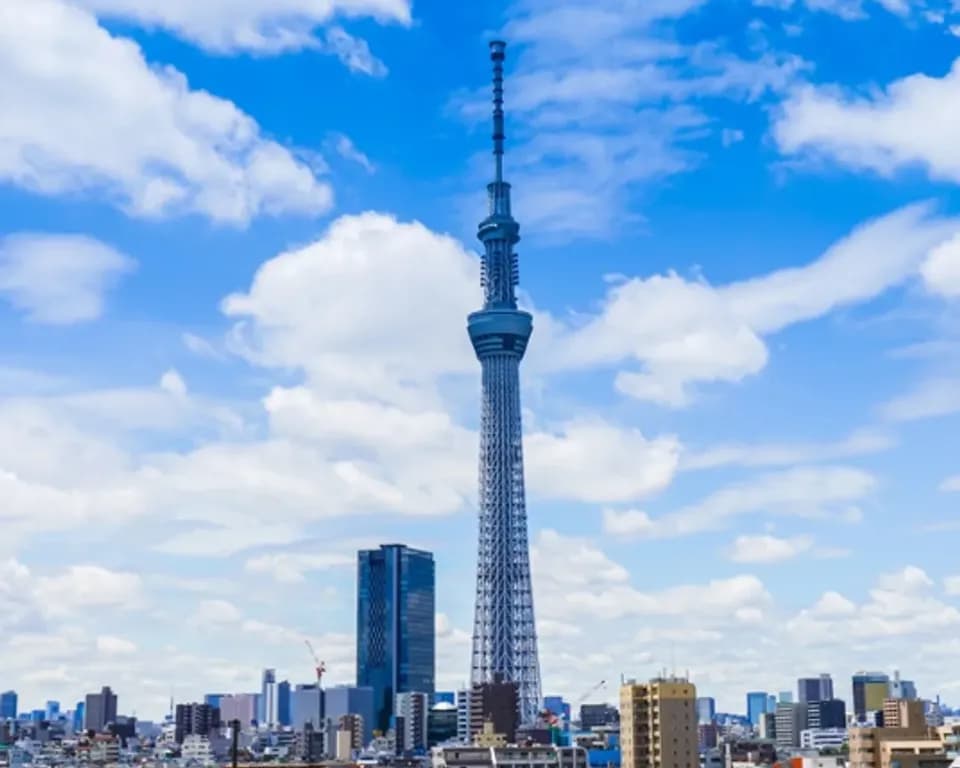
(352, 700)
(213, 699)
(870, 689)
(504, 630)
(757, 706)
(791, 721)
(269, 710)
(901, 689)
(811, 689)
(79, 716)
(706, 709)
(8, 705)
(396, 634)
(597, 716)
(658, 724)
(411, 710)
(52, 712)
(100, 709)
(239, 706)
(306, 705)
(831, 713)
(283, 702)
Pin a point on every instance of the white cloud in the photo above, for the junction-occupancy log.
(230, 26)
(802, 491)
(768, 549)
(58, 279)
(81, 587)
(930, 398)
(859, 443)
(348, 150)
(110, 125)
(594, 461)
(681, 331)
(849, 10)
(910, 123)
(951, 585)
(951, 484)
(350, 310)
(114, 646)
(290, 567)
(941, 270)
(173, 382)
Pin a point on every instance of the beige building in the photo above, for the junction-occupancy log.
(905, 741)
(658, 724)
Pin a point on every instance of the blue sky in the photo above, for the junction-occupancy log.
(237, 254)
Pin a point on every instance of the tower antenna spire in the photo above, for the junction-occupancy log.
(498, 52)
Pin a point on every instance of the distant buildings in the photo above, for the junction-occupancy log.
(757, 706)
(659, 724)
(829, 713)
(269, 713)
(811, 689)
(869, 691)
(908, 744)
(352, 700)
(100, 709)
(8, 705)
(495, 703)
(791, 720)
(706, 709)
(395, 625)
(597, 716)
(411, 712)
(195, 719)
(239, 706)
(442, 723)
(306, 706)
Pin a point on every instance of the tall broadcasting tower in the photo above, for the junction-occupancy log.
(504, 631)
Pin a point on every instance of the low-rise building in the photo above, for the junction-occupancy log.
(508, 756)
(823, 738)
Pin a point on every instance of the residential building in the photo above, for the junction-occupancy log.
(8, 705)
(768, 726)
(411, 709)
(658, 724)
(503, 756)
(195, 719)
(352, 700)
(791, 719)
(823, 738)
(909, 744)
(197, 749)
(706, 709)
(497, 704)
(352, 726)
(597, 716)
(869, 691)
(396, 632)
(100, 709)
(829, 713)
(810, 689)
(463, 716)
(756, 707)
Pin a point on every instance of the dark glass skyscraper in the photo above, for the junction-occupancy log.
(396, 609)
(8, 705)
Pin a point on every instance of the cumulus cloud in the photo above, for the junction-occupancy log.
(117, 128)
(801, 491)
(232, 26)
(767, 549)
(59, 279)
(907, 124)
(291, 567)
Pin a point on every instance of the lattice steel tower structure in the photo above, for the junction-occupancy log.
(504, 630)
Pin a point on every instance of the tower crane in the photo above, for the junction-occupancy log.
(319, 666)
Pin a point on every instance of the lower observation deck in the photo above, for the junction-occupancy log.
(499, 332)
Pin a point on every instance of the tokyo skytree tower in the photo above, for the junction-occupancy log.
(504, 631)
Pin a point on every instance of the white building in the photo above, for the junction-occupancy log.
(823, 738)
(463, 716)
(196, 749)
(536, 756)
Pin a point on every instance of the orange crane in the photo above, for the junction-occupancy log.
(320, 666)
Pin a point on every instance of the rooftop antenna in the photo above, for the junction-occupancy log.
(498, 52)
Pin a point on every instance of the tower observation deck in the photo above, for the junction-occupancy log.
(504, 631)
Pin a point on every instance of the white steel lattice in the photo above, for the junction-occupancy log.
(504, 633)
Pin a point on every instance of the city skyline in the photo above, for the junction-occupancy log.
(237, 252)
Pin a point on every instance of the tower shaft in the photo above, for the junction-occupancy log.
(504, 635)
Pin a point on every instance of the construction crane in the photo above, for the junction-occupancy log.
(558, 718)
(590, 693)
(319, 666)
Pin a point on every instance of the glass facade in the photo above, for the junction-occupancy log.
(396, 609)
(8, 705)
(757, 707)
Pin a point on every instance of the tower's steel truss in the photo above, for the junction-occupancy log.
(504, 632)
